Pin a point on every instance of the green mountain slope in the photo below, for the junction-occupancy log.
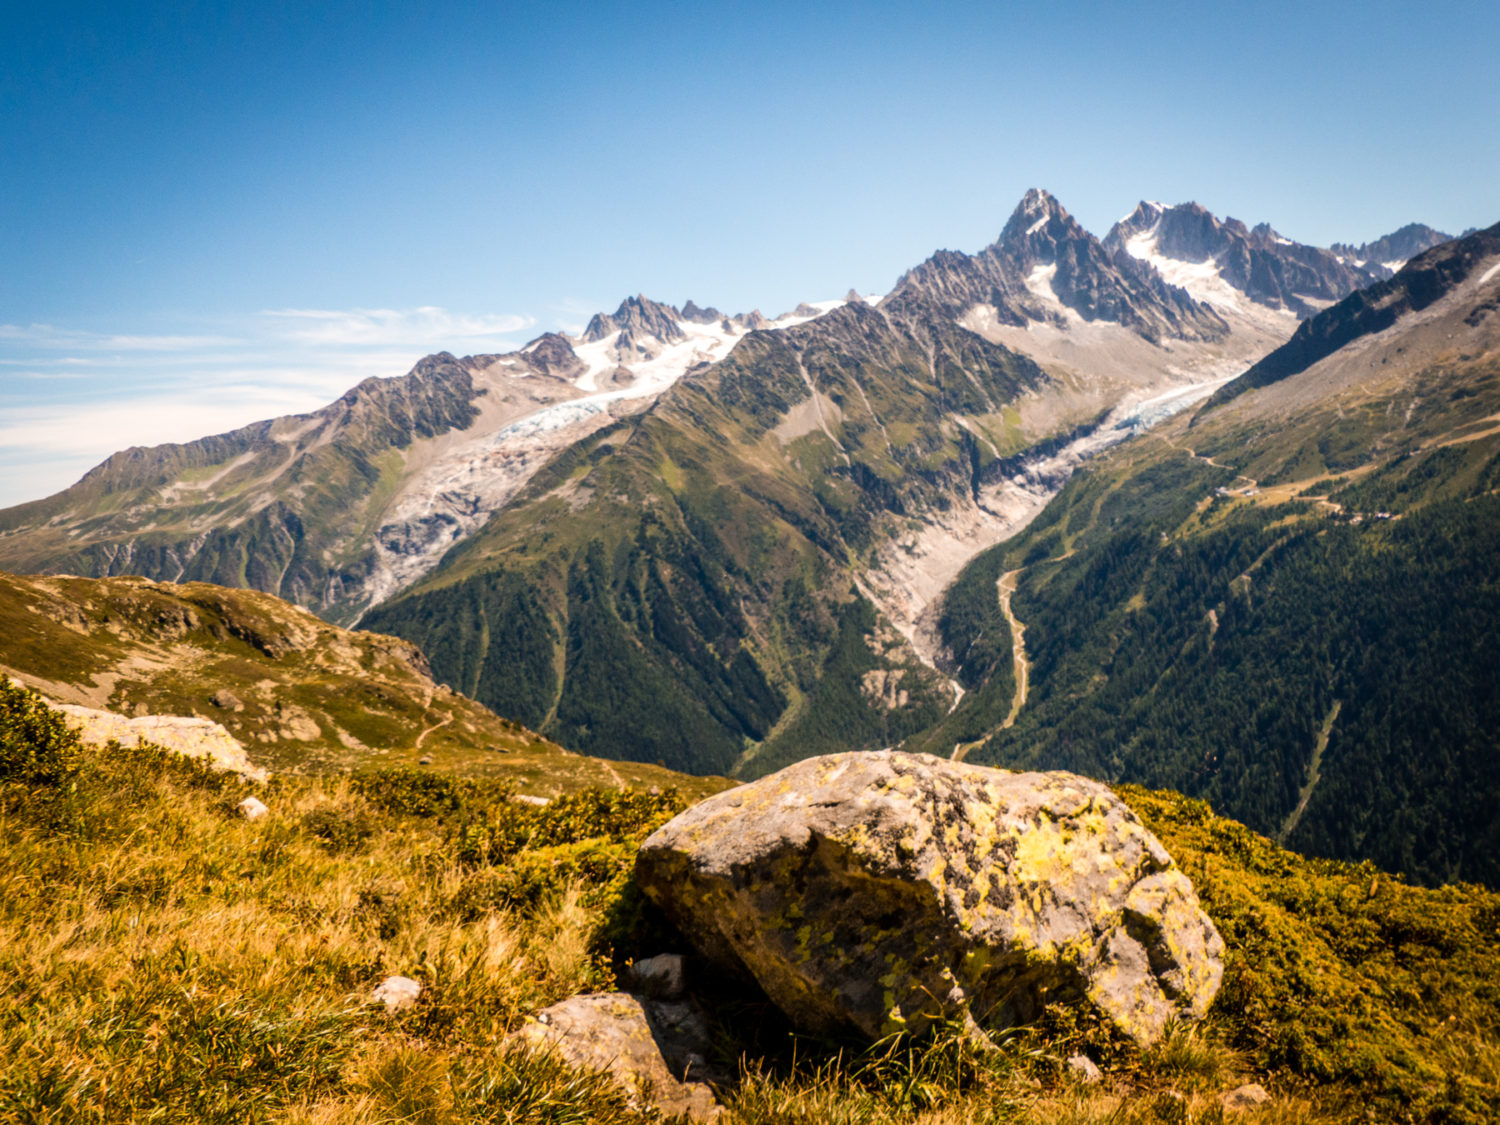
(669, 587)
(1288, 605)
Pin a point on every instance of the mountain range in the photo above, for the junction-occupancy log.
(723, 543)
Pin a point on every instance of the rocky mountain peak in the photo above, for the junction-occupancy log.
(1037, 225)
(552, 354)
(639, 316)
(1397, 248)
(699, 315)
(1257, 262)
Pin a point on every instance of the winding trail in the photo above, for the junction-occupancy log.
(429, 730)
(1020, 665)
(1006, 588)
(1313, 768)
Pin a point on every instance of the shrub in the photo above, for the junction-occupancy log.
(38, 749)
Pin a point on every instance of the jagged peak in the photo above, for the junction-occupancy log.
(1039, 215)
(641, 315)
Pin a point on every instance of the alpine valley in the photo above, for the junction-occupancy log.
(1191, 505)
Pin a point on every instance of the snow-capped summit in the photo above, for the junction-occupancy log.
(1230, 266)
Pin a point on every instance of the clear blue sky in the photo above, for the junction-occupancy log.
(211, 212)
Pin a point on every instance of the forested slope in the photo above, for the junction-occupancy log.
(1289, 607)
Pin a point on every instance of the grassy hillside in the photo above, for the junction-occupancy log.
(162, 959)
(303, 695)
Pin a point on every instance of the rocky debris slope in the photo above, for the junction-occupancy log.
(886, 891)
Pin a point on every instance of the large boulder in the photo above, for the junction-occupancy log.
(885, 891)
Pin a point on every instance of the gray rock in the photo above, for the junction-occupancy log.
(1245, 1097)
(252, 808)
(643, 1044)
(885, 891)
(226, 700)
(660, 977)
(1084, 1069)
(425, 760)
(397, 993)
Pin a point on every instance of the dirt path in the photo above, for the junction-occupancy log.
(1313, 767)
(1006, 588)
(429, 730)
(1021, 666)
(615, 777)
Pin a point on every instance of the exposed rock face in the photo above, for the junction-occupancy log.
(1394, 249)
(186, 735)
(1045, 266)
(1424, 281)
(552, 354)
(638, 317)
(641, 1043)
(885, 891)
(1266, 267)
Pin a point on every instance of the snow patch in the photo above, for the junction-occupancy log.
(1394, 265)
(1489, 273)
(1039, 281)
(1202, 280)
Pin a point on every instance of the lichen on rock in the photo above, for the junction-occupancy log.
(887, 891)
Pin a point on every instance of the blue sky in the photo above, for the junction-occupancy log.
(212, 213)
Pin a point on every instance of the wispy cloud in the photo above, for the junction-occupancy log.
(389, 326)
(70, 397)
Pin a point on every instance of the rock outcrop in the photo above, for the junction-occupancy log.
(183, 734)
(886, 891)
(645, 1045)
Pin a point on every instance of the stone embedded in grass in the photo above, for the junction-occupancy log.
(1242, 1098)
(890, 891)
(1084, 1069)
(660, 976)
(640, 1043)
(252, 808)
(397, 993)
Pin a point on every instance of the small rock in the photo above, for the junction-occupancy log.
(1084, 1069)
(252, 808)
(659, 977)
(640, 1043)
(1244, 1097)
(425, 760)
(397, 993)
(528, 799)
(226, 700)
